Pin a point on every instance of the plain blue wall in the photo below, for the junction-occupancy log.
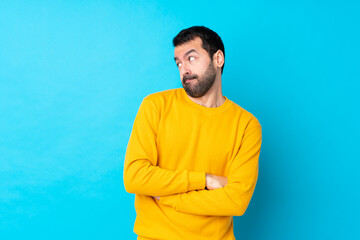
(72, 76)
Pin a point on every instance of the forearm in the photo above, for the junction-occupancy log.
(141, 177)
(232, 200)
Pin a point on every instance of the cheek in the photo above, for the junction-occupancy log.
(201, 68)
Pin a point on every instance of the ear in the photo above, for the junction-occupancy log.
(219, 58)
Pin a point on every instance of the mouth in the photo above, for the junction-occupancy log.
(188, 80)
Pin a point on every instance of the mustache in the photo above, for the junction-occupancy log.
(187, 77)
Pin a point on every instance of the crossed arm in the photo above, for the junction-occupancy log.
(212, 182)
(233, 198)
(190, 192)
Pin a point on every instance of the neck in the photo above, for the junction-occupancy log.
(213, 98)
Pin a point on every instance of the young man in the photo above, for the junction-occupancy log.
(192, 157)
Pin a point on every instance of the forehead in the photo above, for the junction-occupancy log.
(195, 44)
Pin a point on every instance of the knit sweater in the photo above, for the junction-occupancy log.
(174, 142)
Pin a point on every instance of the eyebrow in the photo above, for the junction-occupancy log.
(187, 53)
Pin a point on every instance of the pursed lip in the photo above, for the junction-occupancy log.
(189, 80)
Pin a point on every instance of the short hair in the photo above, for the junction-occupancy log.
(211, 41)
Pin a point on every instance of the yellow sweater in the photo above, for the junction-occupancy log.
(173, 143)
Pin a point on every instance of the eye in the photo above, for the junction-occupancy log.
(191, 58)
(178, 65)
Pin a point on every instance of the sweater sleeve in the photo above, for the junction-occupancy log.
(234, 198)
(141, 173)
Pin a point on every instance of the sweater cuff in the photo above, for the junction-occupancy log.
(196, 180)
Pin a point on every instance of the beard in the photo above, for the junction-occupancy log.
(202, 85)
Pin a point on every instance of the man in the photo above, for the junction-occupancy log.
(192, 157)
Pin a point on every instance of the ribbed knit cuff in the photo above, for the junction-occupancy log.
(196, 180)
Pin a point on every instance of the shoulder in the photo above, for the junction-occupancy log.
(244, 116)
(160, 99)
(152, 105)
(161, 95)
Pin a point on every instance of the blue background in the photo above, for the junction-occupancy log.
(72, 76)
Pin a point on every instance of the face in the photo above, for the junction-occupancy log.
(196, 68)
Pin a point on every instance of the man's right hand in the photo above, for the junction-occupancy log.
(215, 182)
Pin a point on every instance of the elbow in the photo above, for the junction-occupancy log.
(131, 178)
(239, 211)
(129, 187)
(129, 183)
(240, 205)
(241, 198)
(135, 180)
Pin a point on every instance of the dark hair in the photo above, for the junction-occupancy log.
(211, 41)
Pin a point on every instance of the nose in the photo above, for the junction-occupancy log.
(185, 69)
